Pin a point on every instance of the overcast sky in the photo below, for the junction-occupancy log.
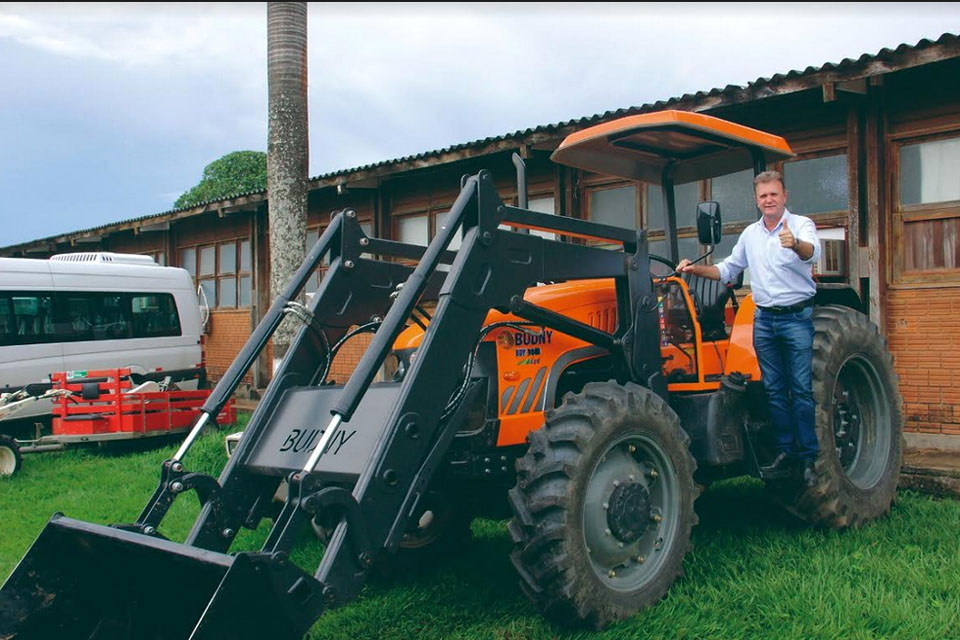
(109, 112)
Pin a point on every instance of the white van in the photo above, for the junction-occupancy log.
(86, 311)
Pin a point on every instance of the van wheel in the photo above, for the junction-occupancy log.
(858, 422)
(603, 506)
(10, 457)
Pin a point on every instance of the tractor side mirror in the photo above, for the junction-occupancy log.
(708, 222)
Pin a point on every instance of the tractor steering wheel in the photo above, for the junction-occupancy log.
(656, 273)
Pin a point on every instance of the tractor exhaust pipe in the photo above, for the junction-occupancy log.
(521, 180)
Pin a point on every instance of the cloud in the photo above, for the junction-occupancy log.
(120, 106)
(142, 35)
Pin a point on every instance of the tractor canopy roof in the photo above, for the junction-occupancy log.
(697, 146)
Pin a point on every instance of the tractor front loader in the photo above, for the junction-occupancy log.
(588, 394)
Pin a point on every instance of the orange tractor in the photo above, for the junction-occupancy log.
(593, 388)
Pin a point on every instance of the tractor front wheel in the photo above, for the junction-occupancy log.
(603, 506)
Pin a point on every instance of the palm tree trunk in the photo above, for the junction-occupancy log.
(287, 150)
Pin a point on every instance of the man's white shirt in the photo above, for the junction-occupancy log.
(778, 276)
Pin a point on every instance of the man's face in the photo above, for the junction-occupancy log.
(771, 199)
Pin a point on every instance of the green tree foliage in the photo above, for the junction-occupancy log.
(237, 172)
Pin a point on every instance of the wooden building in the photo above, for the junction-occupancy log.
(878, 169)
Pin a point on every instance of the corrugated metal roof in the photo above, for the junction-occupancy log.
(847, 66)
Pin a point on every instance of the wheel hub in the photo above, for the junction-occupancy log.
(847, 422)
(629, 515)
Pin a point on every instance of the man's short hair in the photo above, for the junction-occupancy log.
(769, 176)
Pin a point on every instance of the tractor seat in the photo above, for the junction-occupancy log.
(710, 298)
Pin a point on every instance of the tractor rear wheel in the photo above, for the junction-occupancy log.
(603, 505)
(10, 458)
(858, 421)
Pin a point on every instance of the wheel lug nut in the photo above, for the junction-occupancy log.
(612, 573)
(606, 506)
(616, 483)
(632, 448)
(640, 559)
(656, 517)
(607, 532)
(653, 473)
(630, 477)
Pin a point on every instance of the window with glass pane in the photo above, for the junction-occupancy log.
(188, 260)
(929, 172)
(656, 213)
(208, 257)
(32, 318)
(688, 196)
(110, 317)
(228, 258)
(209, 288)
(8, 325)
(245, 258)
(154, 315)
(543, 205)
(817, 185)
(227, 294)
(688, 248)
(246, 291)
(734, 192)
(413, 230)
(617, 207)
(457, 237)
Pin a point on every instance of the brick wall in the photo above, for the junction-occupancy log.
(923, 329)
(229, 330)
(348, 356)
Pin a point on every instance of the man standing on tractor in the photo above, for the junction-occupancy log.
(780, 248)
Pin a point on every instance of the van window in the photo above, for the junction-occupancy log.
(93, 316)
(154, 315)
(41, 317)
(26, 318)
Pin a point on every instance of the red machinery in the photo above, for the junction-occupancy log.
(106, 404)
(98, 406)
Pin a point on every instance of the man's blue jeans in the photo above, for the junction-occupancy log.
(784, 346)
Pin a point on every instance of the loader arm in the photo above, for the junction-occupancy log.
(372, 448)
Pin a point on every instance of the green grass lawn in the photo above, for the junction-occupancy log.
(753, 572)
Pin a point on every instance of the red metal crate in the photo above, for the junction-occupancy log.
(116, 411)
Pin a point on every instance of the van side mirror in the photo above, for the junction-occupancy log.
(708, 222)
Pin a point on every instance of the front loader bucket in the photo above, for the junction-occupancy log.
(91, 582)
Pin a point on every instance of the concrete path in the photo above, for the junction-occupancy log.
(935, 471)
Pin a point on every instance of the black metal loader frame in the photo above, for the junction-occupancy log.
(361, 455)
